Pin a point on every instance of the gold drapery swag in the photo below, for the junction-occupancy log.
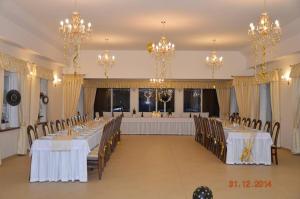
(145, 83)
(13, 64)
(295, 72)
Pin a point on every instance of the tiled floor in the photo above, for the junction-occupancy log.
(159, 167)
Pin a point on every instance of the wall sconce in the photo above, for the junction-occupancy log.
(56, 80)
(31, 69)
(286, 77)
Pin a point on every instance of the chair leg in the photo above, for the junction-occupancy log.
(276, 157)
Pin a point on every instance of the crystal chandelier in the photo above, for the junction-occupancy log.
(163, 51)
(213, 60)
(74, 32)
(106, 59)
(265, 34)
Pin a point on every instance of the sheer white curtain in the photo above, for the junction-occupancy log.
(295, 75)
(89, 100)
(247, 94)
(224, 102)
(71, 92)
(1, 98)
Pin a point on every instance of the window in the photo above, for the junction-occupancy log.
(146, 100)
(265, 110)
(121, 100)
(210, 102)
(102, 100)
(192, 100)
(169, 105)
(43, 107)
(10, 114)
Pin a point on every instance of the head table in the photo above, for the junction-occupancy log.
(247, 146)
(158, 126)
(62, 157)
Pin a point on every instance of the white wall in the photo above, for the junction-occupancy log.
(140, 64)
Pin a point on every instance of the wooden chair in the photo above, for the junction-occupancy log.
(267, 127)
(52, 125)
(63, 124)
(248, 122)
(32, 134)
(244, 121)
(46, 129)
(253, 124)
(238, 120)
(197, 132)
(96, 158)
(274, 134)
(231, 119)
(223, 146)
(258, 124)
(69, 123)
(58, 125)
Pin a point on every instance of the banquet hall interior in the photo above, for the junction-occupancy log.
(154, 99)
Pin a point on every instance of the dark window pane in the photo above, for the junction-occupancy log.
(192, 100)
(102, 100)
(169, 104)
(121, 100)
(210, 102)
(146, 100)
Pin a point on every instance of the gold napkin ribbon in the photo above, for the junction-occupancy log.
(247, 151)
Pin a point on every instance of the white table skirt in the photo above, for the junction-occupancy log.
(164, 126)
(260, 152)
(62, 160)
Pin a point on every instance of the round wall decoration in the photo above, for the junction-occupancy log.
(45, 98)
(13, 97)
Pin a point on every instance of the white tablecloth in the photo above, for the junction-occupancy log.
(237, 140)
(63, 160)
(165, 126)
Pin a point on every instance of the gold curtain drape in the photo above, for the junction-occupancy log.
(295, 75)
(224, 102)
(71, 92)
(89, 100)
(144, 83)
(247, 94)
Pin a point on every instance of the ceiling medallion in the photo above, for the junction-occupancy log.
(106, 59)
(264, 35)
(74, 32)
(213, 60)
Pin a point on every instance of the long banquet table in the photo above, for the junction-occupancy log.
(63, 158)
(165, 126)
(239, 138)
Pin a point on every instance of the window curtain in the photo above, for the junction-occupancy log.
(1, 98)
(247, 94)
(24, 112)
(224, 102)
(295, 75)
(71, 92)
(89, 100)
(34, 99)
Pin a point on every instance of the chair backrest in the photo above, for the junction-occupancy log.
(32, 134)
(58, 125)
(238, 119)
(267, 127)
(69, 123)
(253, 124)
(244, 121)
(221, 132)
(52, 127)
(46, 129)
(258, 124)
(63, 124)
(275, 132)
(231, 119)
(248, 122)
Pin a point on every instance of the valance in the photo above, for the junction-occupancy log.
(145, 83)
(12, 64)
(295, 72)
(272, 76)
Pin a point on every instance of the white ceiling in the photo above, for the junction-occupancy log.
(131, 24)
